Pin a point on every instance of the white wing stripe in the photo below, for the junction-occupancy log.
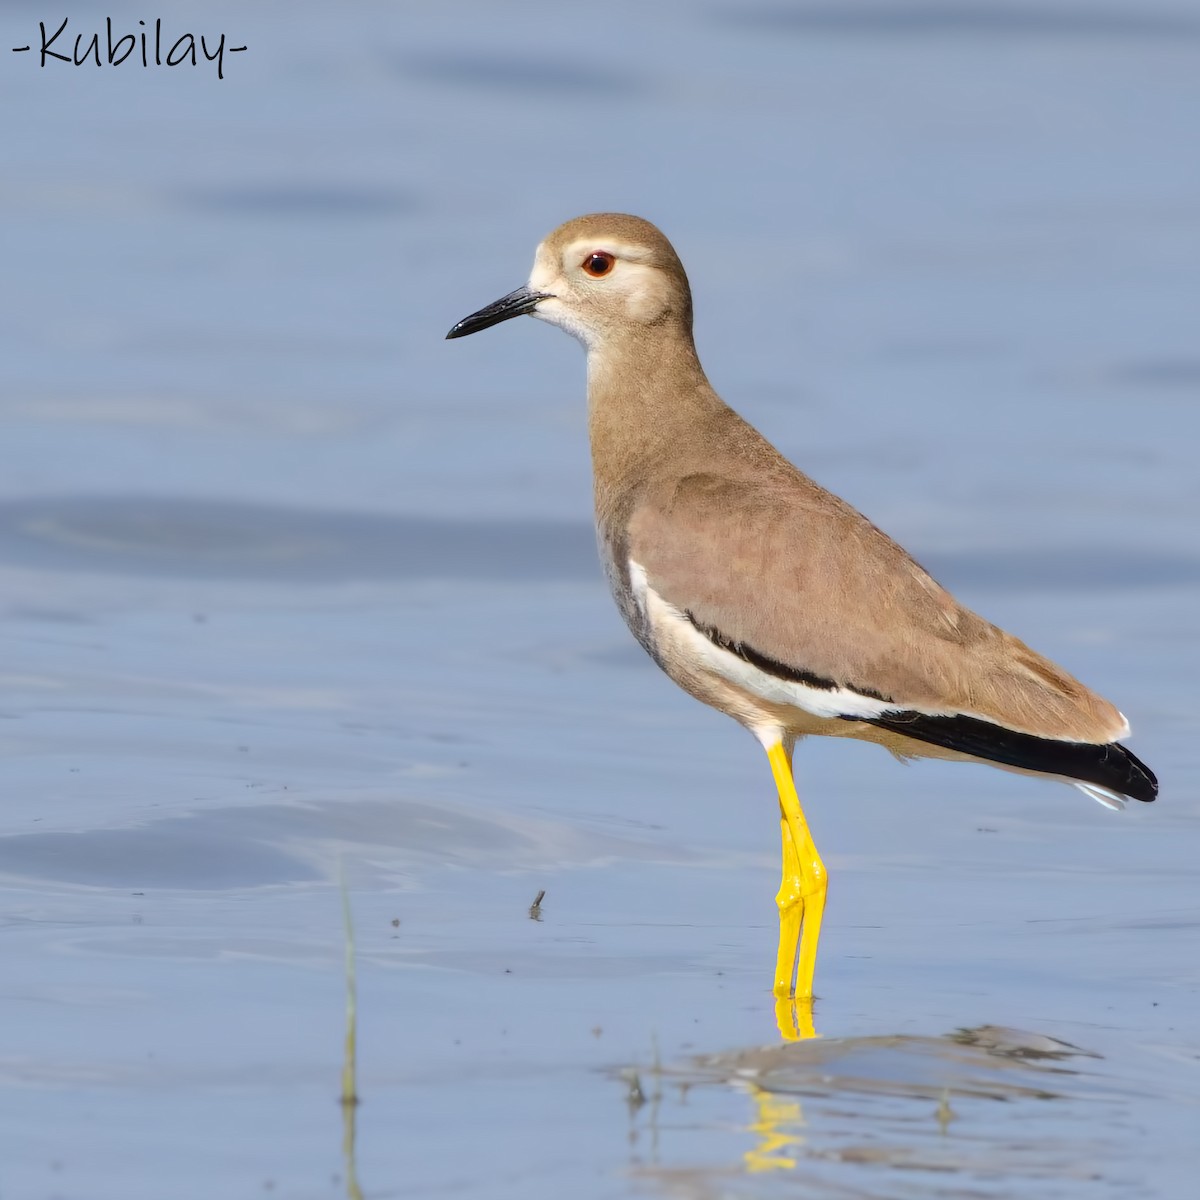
(821, 702)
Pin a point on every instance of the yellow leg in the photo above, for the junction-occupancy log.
(794, 1018)
(801, 897)
(790, 900)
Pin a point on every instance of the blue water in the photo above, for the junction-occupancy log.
(292, 590)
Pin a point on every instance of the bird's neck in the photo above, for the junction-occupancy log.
(646, 393)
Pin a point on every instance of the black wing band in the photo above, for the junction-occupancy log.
(1109, 766)
(772, 666)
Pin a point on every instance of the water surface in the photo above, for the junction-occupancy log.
(293, 591)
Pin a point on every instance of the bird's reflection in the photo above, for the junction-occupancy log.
(778, 1119)
(776, 1125)
(907, 1092)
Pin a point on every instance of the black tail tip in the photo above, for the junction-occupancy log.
(1138, 781)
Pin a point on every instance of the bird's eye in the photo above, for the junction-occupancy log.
(598, 264)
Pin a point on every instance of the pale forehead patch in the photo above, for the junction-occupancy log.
(544, 272)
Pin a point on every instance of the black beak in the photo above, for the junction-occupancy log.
(515, 304)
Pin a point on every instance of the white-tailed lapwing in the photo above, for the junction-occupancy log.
(766, 596)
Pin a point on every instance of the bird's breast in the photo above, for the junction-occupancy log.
(628, 590)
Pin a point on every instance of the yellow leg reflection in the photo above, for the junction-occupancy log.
(775, 1117)
(801, 897)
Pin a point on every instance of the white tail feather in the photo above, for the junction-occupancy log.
(1101, 795)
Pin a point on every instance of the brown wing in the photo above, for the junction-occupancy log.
(783, 568)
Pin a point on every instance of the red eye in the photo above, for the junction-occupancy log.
(598, 264)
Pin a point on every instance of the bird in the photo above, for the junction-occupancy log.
(768, 597)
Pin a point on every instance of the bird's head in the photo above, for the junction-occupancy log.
(598, 277)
